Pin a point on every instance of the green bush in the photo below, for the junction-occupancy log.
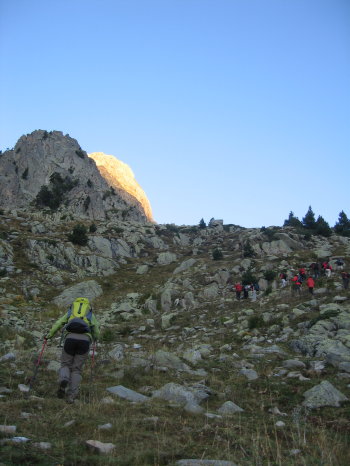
(248, 250)
(248, 278)
(79, 235)
(255, 322)
(217, 254)
(269, 275)
(92, 228)
(53, 195)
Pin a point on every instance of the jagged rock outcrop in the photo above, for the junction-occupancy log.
(47, 170)
(119, 175)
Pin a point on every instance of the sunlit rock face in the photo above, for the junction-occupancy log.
(119, 175)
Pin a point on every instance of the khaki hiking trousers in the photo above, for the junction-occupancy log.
(74, 354)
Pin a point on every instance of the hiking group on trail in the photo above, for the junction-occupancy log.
(297, 279)
(80, 328)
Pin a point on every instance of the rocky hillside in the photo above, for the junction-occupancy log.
(184, 373)
(50, 171)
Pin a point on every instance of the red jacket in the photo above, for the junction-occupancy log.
(310, 282)
(238, 287)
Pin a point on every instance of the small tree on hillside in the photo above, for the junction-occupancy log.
(79, 235)
(322, 227)
(292, 221)
(217, 254)
(202, 224)
(309, 221)
(342, 227)
(248, 250)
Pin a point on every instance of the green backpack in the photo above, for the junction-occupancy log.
(79, 316)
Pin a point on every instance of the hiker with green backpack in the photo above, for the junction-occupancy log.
(80, 329)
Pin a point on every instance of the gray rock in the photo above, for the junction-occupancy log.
(324, 394)
(182, 395)
(170, 360)
(293, 364)
(127, 394)
(8, 357)
(250, 374)
(142, 269)
(229, 407)
(89, 289)
(117, 353)
(165, 258)
(184, 266)
(100, 447)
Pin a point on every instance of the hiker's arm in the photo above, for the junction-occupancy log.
(95, 330)
(57, 325)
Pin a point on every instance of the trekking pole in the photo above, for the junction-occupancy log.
(37, 364)
(92, 360)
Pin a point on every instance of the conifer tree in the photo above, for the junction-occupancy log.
(292, 221)
(342, 227)
(322, 227)
(202, 224)
(309, 221)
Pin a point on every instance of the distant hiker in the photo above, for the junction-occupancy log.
(246, 289)
(252, 292)
(310, 283)
(283, 278)
(346, 278)
(302, 273)
(315, 268)
(81, 328)
(296, 285)
(238, 288)
(177, 302)
(324, 266)
(339, 264)
(328, 270)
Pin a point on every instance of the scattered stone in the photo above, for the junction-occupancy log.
(293, 364)
(229, 408)
(105, 426)
(69, 423)
(43, 445)
(127, 394)
(324, 394)
(182, 395)
(100, 447)
(276, 411)
(8, 357)
(4, 429)
(280, 424)
(250, 374)
(23, 388)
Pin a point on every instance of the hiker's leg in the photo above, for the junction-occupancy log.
(77, 366)
(66, 365)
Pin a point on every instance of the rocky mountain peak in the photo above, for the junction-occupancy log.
(119, 175)
(50, 171)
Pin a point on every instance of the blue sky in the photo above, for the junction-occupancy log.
(232, 109)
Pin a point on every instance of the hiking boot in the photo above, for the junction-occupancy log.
(62, 389)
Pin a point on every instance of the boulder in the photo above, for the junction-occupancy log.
(89, 289)
(324, 394)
